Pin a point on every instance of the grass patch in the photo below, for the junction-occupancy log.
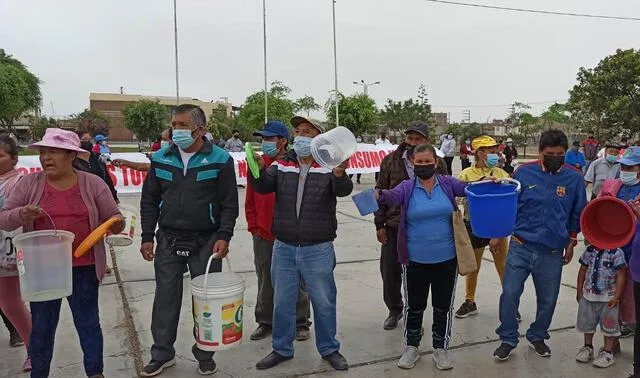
(27, 152)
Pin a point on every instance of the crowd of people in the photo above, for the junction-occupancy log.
(189, 206)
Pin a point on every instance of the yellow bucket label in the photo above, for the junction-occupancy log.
(232, 322)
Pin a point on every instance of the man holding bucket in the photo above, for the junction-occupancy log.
(304, 225)
(259, 212)
(548, 221)
(190, 193)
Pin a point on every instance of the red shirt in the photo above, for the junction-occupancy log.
(155, 146)
(69, 212)
(259, 209)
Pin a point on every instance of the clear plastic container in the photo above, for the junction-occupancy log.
(44, 264)
(333, 147)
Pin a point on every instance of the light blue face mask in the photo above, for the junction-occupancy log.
(612, 158)
(183, 138)
(164, 144)
(629, 178)
(302, 146)
(269, 148)
(492, 160)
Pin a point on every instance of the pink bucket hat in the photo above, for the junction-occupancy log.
(58, 138)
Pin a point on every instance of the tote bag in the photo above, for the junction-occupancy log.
(464, 251)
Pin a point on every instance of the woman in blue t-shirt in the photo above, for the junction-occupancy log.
(426, 250)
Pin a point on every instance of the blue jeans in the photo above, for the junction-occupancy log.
(86, 317)
(315, 263)
(546, 269)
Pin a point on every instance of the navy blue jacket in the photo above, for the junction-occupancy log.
(203, 200)
(549, 206)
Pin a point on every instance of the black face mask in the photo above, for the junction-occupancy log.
(552, 163)
(424, 172)
(87, 146)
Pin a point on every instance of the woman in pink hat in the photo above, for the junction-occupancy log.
(77, 202)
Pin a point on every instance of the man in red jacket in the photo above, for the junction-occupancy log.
(259, 212)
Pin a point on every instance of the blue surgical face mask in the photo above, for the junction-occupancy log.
(492, 160)
(612, 158)
(302, 146)
(269, 148)
(629, 178)
(359, 140)
(164, 144)
(183, 138)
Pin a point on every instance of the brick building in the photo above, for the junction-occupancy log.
(112, 105)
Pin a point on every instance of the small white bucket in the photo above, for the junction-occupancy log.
(125, 238)
(44, 264)
(218, 300)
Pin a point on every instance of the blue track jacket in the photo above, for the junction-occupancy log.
(549, 206)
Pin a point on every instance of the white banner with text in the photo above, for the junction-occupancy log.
(366, 160)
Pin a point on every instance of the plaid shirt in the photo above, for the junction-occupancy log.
(602, 266)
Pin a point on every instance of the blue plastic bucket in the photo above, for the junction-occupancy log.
(493, 207)
(365, 202)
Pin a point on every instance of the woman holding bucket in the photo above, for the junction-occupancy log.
(486, 165)
(426, 250)
(77, 202)
(10, 300)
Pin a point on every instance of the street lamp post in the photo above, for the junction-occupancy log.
(335, 62)
(175, 42)
(264, 43)
(366, 85)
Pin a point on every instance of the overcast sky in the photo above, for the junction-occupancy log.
(466, 57)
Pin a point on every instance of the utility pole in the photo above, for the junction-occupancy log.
(335, 62)
(466, 116)
(264, 43)
(175, 42)
(121, 89)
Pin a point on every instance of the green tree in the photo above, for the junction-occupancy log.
(396, 115)
(556, 113)
(358, 113)
(524, 123)
(146, 118)
(606, 99)
(92, 121)
(38, 126)
(463, 131)
(19, 90)
(280, 108)
(220, 124)
(306, 104)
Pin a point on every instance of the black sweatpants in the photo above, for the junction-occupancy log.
(391, 272)
(441, 278)
(449, 161)
(636, 337)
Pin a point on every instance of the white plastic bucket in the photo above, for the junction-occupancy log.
(218, 300)
(44, 264)
(333, 147)
(125, 238)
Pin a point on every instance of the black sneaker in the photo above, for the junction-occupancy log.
(466, 309)
(541, 348)
(625, 330)
(518, 317)
(154, 367)
(503, 352)
(207, 367)
(15, 340)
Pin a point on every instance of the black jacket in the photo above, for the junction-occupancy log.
(317, 222)
(204, 200)
(98, 168)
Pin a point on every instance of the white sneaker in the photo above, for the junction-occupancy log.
(604, 360)
(585, 354)
(442, 360)
(409, 358)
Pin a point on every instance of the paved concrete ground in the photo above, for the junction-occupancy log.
(126, 301)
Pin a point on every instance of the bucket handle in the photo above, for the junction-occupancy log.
(50, 219)
(206, 272)
(508, 180)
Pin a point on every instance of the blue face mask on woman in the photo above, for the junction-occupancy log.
(492, 160)
(182, 138)
(629, 178)
(269, 148)
(164, 144)
(302, 146)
